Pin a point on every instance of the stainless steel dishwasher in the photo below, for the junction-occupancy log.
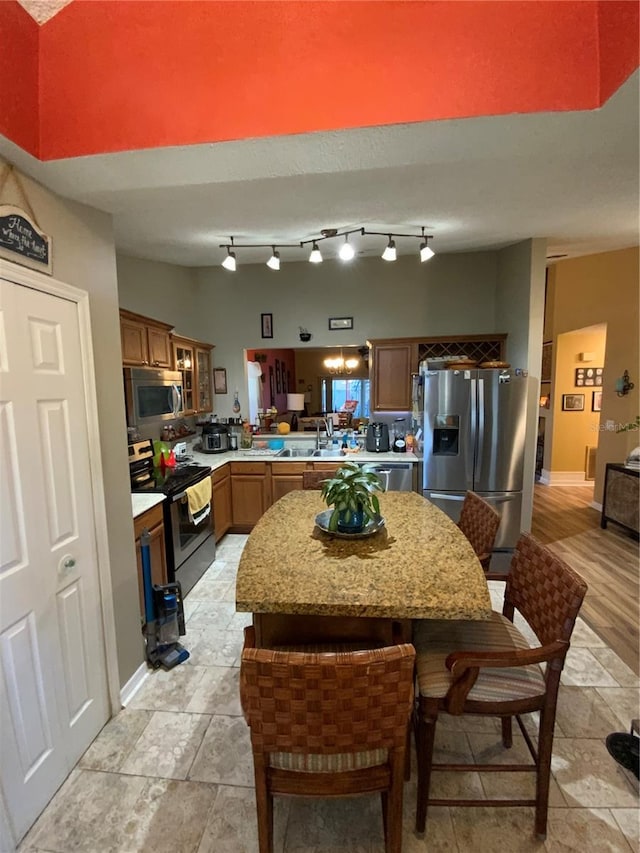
(396, 476)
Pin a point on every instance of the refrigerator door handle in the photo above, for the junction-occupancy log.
(470, 457)
(444, 497)
(478, 465)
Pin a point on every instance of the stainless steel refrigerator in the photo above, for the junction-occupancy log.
(473, 424)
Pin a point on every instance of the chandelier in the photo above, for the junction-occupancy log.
(346, 252)
(337, 364)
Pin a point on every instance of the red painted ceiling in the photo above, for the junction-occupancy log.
(113, 75)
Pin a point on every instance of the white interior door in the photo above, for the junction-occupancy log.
(53, 682)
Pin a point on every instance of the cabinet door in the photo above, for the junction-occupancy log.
(159, 347)
(203, 379)
(248, 499)
(283, 484)
(391, 377)
(133, 340)
(183, 359)
(158, 556)
(222, 517)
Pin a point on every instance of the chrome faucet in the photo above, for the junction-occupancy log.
(328, 426)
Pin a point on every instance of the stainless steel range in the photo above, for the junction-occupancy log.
(190, 543)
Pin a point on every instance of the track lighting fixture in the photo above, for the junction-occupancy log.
(316, 256)
(274, 261)
(346, 250)
(425, 251)
(390, 253)
(229, 262)
(345, 253)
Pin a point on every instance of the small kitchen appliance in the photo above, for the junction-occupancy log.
(152, 396)
(377, 439)
(399, 443)
(215, 438)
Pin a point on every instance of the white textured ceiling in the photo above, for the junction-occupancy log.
(476, 183)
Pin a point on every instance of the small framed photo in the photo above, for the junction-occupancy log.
(340, 323)
(573, 402)
(596, 401)
(266, 325)
(586, 376)
(220, 380)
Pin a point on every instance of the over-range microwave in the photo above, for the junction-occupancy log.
(152, 395)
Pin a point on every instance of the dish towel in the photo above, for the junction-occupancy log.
(199, 498)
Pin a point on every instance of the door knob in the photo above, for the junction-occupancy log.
(66, 565)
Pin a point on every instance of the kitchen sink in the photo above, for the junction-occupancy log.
(296, 452)
(329, 453)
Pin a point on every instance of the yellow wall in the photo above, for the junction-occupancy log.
(604, 289)
(573, 431)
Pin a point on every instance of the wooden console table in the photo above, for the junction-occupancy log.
(621, 499)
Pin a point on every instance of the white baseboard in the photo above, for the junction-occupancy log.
(596, 505)
(134, 684)
(564, 478)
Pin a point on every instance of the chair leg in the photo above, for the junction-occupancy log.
(393, 835)
(543, 773)
(507, 733)
(425, 738)
(384, 798)
(264, 806)
(407, 753)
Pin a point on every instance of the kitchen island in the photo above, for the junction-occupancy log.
(303, 584)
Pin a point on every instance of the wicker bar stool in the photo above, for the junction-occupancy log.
(314, 479)
(479, 522)
(328, 725)
(488, 668)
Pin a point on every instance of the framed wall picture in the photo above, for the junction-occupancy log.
(278, 377)
(272, 387)
(340, 323)
(220, 380)
(285, 386)
(573, 402)
(596, 401)
(266, 321)
(588, 376)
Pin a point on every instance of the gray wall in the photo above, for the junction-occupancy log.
(84, 256)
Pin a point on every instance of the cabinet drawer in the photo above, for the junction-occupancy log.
(248, 468)
(220, 474)
(148, 519)
(286, 469)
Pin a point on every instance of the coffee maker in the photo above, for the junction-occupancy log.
(377, 439)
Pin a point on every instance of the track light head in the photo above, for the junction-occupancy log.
(315, 257)
(346, 252)
(390, 253)
(274, 261)
(425, 252)
(229, 262)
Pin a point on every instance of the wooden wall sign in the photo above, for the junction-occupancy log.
(22, 241)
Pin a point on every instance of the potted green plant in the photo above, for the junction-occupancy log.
(351, 493)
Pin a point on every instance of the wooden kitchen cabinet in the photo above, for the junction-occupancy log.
(152, 519)
(145, 342)
(286, 477)
(250, 493)
(193, 360)
(222, 510)
(391, 364)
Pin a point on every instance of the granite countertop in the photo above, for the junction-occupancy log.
(141, 503)
(420, 566)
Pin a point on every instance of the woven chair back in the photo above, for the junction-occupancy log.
(327, 703)
(314, 479)
(544, 589)
(479, 522)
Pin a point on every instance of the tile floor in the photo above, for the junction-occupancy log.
(173, 771)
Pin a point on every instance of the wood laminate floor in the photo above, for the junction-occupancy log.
(608, 560)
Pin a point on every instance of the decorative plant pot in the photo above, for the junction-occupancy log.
(305, 336)
(351, 521)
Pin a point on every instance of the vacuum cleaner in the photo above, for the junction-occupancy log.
(164, 615)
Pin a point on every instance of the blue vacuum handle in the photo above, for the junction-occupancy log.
(145, 552)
